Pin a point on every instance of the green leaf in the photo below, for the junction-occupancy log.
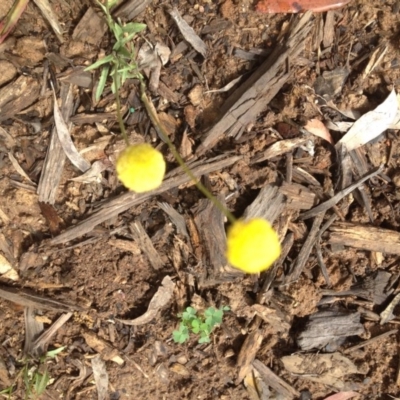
(134, 27)
(102, 82)
(204, 339)
(41, 381)
(118, 32)
(195, 326)
(53, 353)
(181, 335)
(189, 314)
(100, 62)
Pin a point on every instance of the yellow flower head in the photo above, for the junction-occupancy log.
(252, 246)
(140, 167)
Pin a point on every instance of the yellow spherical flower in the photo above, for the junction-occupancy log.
(252, 246)
(140, 167)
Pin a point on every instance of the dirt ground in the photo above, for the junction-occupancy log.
(104, 273)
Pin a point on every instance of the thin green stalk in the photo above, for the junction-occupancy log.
(157, 123)
(119, 114)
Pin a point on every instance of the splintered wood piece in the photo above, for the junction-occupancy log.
(55, 158)
(106, 351)
(269, 204)
(298, 265)
(298, 196)
(33, 328)
(210, 225)
(275, 382)
(91, 28)
(158, 301)
(370, 341)
(177, 219)
(328, 369)
(373, 288)
(339, 196)
(279, 148)
(39, 346)
(28, 299)
(365, 237)
(329, 329)
(131, 9)
(124, 202)
(188, 32)
(387, 315)
(51, 17)
(254, 95)
(248, 353)
(17, 96)
(143, 240)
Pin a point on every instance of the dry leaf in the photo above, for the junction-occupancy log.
(372, 124)
(317, 128)
(66, 141)
(159, 300)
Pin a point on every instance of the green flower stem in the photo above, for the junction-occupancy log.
(119, 114)
(164, 136)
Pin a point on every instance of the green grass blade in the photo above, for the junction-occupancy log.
(102, 82)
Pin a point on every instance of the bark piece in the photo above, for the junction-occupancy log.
(253, 96)
(106, 351)
(299, 197)
(128, 200)
(275, 382)
(159, 300)
(329, 329)
(365, 237)
(55, 156)
(91, 28)
(328, 369)
(248, 354)
(144, 242)
(269, 204)
(17, 96)
(387, 315)
(131, 9)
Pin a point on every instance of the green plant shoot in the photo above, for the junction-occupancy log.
(201, 325)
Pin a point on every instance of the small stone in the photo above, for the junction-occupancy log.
(396, 179)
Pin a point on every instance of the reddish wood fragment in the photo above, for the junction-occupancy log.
(290, 6)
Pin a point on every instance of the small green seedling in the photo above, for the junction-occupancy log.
(120, 64)
(201, 325)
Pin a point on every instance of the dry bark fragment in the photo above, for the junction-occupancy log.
(365, 237)
(127, 200)
(328, 329)
(91, 28)
(253, 96)
(275, 382)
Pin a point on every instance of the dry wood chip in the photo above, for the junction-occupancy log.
(100, 376)
(188, 32)
(33, 328)
(372, 124)
(328, 369)
(275, 382)
(339, 196)
(19, 169)
(299, 197)
(127, 200)
(387, 315)
(365, 237)
(131, 9)
(269, 204)
(145, 244)
(66, 140)
(6, 269)
(106, 351)
(39, 346)
(248, 353)
(177, 219)
(279, 148)
(91, 28)
(328, 329)
(47, 11)
(342, 396)
(159, 300)
(253, 96)
(4, 379)
(371, 341)
(27, 299)
(55, 156)
(17, 96)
